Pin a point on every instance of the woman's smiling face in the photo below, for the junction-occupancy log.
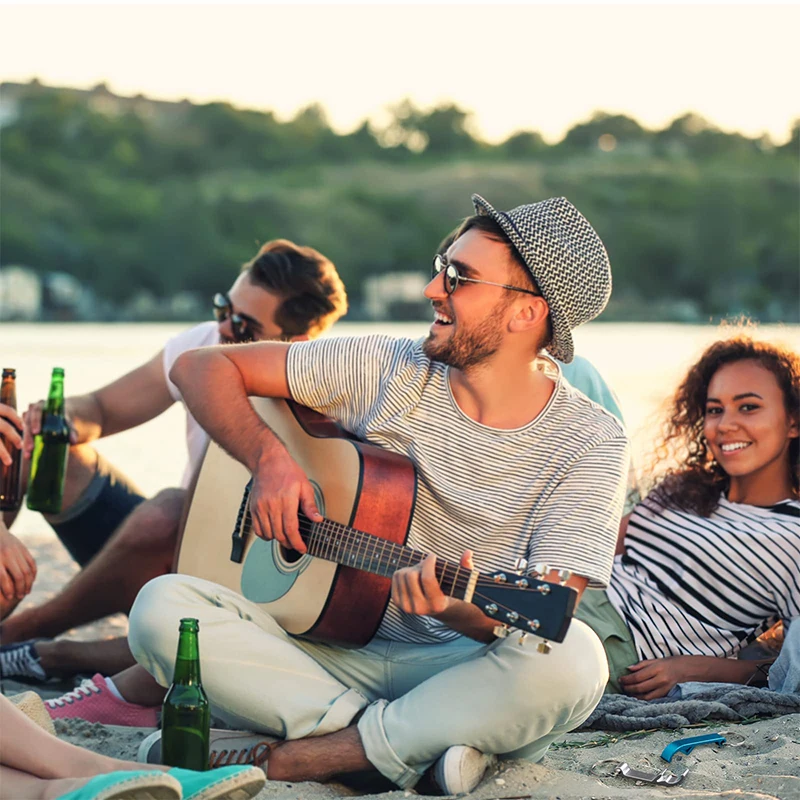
(747, 426)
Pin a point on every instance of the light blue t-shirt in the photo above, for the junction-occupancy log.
(583, 375)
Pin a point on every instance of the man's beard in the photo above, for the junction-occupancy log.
(466, 349)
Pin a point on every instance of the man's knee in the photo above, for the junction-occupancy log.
(150, 629)
(168, 503)
(154, 523)
(81, 468)
(570, 679)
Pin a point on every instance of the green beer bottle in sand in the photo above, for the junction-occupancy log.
(185, 720)
(50, 452)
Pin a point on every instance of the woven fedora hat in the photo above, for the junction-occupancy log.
(566, 258)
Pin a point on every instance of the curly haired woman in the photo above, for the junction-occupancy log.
(711, 558)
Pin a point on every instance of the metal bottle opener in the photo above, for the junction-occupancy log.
(666, 776)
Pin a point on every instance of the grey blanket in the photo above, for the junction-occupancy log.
(723, 701)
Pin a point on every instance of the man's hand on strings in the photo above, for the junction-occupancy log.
(280, 490)
(416, 589)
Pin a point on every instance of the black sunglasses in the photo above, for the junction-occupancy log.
(452, 277)
(241, 326)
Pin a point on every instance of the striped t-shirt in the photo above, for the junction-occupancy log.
(550, 491)
(707, 585)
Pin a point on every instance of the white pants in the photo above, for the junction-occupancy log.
(504, 698)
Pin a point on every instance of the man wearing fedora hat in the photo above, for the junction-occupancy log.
(512, 465)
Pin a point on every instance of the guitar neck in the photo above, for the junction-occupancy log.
(343, 545)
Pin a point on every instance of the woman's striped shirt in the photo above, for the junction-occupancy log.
(707, 586)
(550, 491)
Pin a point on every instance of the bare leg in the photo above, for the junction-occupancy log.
(81, 467)
(28, 748)
(68, 657)
(318, 758)
(23, 786)
(138, 686)
(7, 606)
(140, 549)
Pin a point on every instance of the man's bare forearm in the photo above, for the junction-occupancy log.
(86, 416)
(214, 392)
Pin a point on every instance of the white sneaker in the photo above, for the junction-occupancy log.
(226, 748)
(460, 769)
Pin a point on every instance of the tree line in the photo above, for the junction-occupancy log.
(698, 222)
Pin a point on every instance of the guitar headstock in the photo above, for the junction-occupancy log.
(526, 603)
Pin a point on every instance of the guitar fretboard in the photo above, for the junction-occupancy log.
(333, 541)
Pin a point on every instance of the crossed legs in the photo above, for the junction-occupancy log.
(417, 700)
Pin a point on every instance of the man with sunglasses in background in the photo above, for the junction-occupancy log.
(285, 293)
(514, 468)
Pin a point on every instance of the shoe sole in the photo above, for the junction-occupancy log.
(237, 787)
(145, 791)
(474, 778)
(149, 751)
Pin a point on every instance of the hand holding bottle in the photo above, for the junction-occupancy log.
(10, 427)
(32, 426)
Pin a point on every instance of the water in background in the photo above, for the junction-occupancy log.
(641, 362)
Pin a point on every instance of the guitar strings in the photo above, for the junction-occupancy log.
(476, 593)
(349, 536)
(316, 532)
(404, 556)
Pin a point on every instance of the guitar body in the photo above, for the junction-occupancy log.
(356, 484)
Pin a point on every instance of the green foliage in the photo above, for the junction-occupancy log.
(131, 195)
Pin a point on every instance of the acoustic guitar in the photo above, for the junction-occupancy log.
(338, 591)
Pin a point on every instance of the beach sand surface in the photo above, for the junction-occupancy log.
(764, 766)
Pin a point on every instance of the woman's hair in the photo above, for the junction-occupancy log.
(697, 481)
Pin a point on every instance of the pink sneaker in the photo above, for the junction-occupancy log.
(94, 702)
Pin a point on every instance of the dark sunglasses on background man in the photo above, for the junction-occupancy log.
(452, 277)
(242, 327)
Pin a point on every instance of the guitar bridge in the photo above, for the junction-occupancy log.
(237, 537)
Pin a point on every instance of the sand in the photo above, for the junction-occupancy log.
(765, 764)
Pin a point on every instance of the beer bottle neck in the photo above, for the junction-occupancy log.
(55, 397)
(187, 664)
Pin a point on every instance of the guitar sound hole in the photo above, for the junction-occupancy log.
(290, 556)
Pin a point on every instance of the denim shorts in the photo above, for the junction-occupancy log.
(88, 524)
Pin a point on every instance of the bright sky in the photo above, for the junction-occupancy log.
(516, 67)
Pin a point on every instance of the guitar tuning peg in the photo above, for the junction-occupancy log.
(522, 637)
(544, 647)
(520, 565)
(564, 575)
(501, 631)
(540, 569)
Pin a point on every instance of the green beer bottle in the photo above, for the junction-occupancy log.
(50, 452)
(185, 721)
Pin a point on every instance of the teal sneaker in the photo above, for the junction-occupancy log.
(138, 785)
(224, 783)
